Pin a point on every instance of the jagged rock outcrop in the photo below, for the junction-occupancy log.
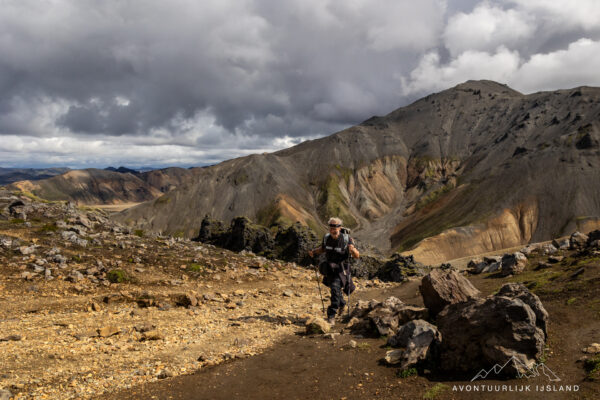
(293, 243)
(441, 288)
(492, 330)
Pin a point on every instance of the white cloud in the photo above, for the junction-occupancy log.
(564, 14)
(577, 65)
(486, 28)
(431, 75)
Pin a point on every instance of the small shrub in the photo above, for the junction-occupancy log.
(571, 300)
(195, 267)
(49, 228)
(117, 276)
(139, 232)
(17, 221)
(405, 373)
(592, 366)
(434, 391)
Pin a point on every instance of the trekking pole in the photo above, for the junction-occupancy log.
(319, 285)
(349, 283)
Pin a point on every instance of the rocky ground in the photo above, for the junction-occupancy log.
(87, 306)
(90, 309)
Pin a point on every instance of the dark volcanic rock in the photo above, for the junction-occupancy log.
(294, 242)
(212, 231)
(440, 288)
(397, 268)
(492, 330)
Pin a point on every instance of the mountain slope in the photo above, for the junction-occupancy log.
(475, 167)
(96, 186)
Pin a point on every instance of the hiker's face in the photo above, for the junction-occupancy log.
(334, 230)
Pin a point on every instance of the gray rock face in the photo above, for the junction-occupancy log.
(519, 291)
(493, 330)
(440, 288)
(420, 341)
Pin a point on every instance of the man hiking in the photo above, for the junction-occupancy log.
(337, 246)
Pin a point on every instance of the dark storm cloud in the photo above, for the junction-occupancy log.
(227, 77)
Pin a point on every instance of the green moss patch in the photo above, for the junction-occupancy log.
(117, 276)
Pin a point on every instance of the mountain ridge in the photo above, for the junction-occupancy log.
(473, 168)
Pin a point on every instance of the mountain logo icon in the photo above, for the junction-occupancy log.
(538, 369)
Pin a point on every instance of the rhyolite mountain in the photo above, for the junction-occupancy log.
(106, 186)
(474, 168)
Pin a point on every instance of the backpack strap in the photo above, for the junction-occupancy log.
(346, 238)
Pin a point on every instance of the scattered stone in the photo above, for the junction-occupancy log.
(561, 244)
(11, 338)
(440, 288)
(165, 373)
(578, 240)
(555, 259)
(543, 265)
(394, 357)
(288, 293)
(419, 338)
(317, 325)
(5, 394)
(152, 335)
(107, 331)
(476, 266)
(352, 344)
(548, 249)
(94, 306)
(513, 264)
(27, 250)
(593, 348)
(331, 335)
(186, 300)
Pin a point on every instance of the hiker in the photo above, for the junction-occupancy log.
(337, 246)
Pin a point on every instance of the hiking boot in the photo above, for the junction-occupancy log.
(341, 310)
(331, 321)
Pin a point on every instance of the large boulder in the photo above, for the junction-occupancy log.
(480, 333)
(440, 288)
(420, 341)
(513, 264)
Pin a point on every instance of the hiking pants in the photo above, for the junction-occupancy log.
(337, 298)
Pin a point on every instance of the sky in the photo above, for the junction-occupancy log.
(87, 83)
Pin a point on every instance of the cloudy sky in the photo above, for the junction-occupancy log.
(88, 83)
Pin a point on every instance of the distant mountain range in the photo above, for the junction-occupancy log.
(10, 175)
(107, 186)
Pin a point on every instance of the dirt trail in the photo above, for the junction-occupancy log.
(302, 367)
